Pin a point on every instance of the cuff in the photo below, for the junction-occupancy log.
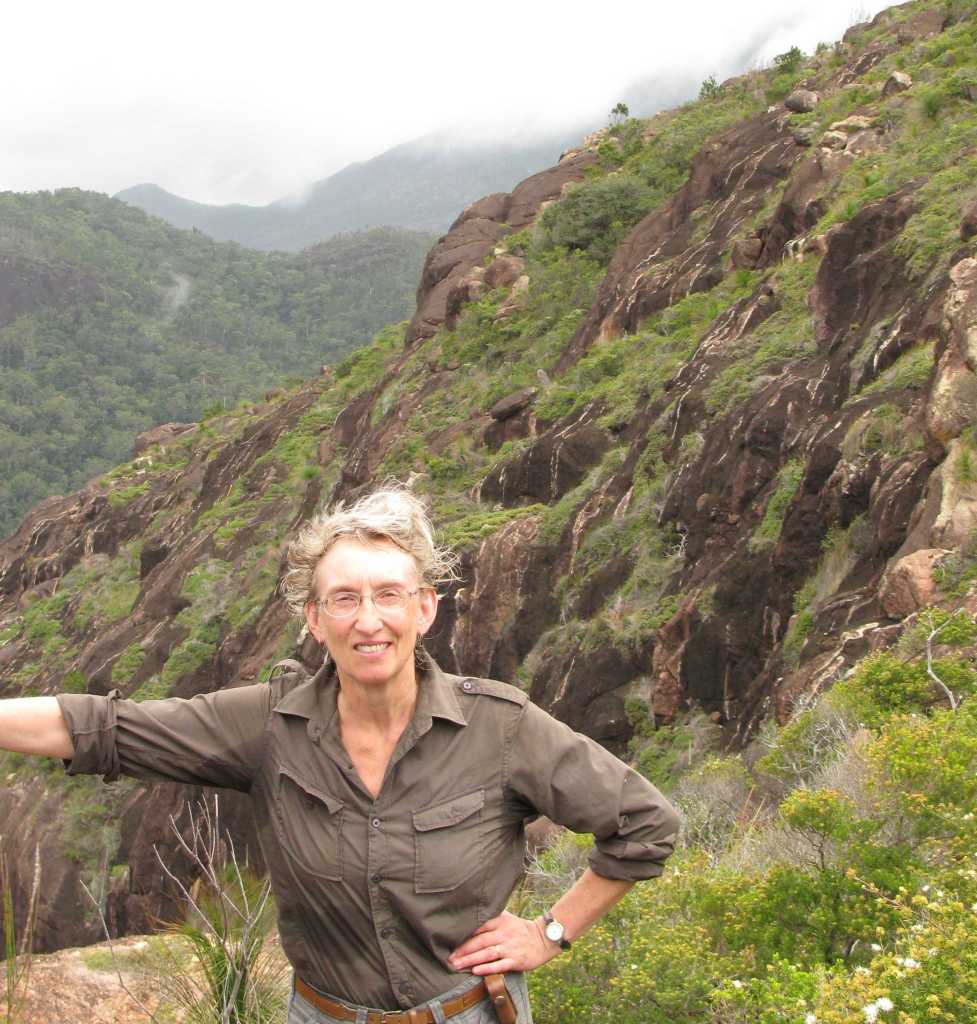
(91, 720)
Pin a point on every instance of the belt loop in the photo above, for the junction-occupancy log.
(361, 1015)
(437, 1012)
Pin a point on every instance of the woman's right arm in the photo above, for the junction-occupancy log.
(34, 725)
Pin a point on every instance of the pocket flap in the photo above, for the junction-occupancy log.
(449, 812)
(331, 803)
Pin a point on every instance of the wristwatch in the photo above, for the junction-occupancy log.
(555, 931)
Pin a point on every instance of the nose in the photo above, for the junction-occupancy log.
(367, 617)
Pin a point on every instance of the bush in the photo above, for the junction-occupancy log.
(595, 215)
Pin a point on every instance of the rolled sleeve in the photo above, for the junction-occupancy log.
(213, 739)
(579, 784)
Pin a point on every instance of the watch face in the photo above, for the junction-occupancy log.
(554, 931)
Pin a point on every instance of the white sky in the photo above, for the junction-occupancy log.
(242, 102)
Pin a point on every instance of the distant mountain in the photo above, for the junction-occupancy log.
(419, 185)
(112, 321)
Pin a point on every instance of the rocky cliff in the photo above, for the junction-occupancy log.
(696, 406)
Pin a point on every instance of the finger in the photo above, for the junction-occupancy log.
(474, 944)
(501, 966)
(484, 951)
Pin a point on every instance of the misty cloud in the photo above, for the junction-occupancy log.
(222, 103)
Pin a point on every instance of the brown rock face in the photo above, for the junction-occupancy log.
(908, 585)
(474, 235)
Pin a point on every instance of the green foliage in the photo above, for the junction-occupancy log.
(789, 61)
(883, 428)
(481, 524)
(788, 482)
(112, 595)
(787, 334)
(911, 371)
(710, 89)
(661, 755)
(595, 215)
(163, 325)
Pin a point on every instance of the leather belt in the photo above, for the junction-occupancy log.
(421, 1016)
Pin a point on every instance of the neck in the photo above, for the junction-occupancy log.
(383, 708)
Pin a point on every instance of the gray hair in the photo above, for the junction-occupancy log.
(391, 514)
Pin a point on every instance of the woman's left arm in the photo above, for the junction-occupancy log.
(578, 783)
(511, 943)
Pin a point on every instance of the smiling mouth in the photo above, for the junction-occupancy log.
(371, 648)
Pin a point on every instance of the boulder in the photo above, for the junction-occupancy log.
(908, 585)
(898, 81)
(803, 135)
(162, 434)
(746, 252)
(802, 101)
(507, 407)
(514, 299)
(834, 140)
(504, 270)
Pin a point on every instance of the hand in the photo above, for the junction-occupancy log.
(504, 943)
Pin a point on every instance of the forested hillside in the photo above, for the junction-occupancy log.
(696, 406)
(111, 322)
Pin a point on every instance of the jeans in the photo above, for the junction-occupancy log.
(302, 1012)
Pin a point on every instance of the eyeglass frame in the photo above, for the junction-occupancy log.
(320, 602)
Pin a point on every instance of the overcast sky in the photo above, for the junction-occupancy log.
(238, 102)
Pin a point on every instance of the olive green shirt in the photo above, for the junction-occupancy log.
(374, 894)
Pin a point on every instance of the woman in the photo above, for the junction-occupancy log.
(390, 797)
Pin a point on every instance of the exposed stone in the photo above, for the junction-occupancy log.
(854, 123)
(955, 522)
(833, 140)
(898, 81)
(953, 399)
(161, 435)
(804, 134)
(512, 404)
(908, 585)
(746, 252)
(968, 226)
(802, 101)
(515, 298)
(922, 25)
(150, 555)
(468, 288)
(504, 270)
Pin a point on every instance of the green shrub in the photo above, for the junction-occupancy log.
(594, 216)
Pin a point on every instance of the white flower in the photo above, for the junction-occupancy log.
(910, 963)
(810, 1019)
(862, 970)
(884, 1003)
(737, 983)
(925, 888)
(876, 948)
(871, 1013)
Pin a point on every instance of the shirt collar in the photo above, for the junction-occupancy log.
(315, 698)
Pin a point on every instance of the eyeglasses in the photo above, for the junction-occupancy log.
(345, 603)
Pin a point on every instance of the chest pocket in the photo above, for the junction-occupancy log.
(447, 838)
(310, 826)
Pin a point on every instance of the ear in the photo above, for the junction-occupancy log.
(312, 619)
(428, 609)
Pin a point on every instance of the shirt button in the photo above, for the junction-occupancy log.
(375, 822)
(405, 989)
(385, 933)
(376, 879)
(466, 685)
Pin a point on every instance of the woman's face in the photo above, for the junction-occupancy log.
(370, 647)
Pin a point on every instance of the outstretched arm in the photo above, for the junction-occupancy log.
(34, 725)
